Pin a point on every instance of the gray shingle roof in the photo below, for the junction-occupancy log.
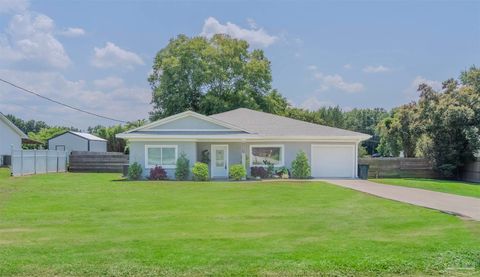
(265, 124)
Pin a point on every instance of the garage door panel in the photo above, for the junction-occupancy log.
(333, 161)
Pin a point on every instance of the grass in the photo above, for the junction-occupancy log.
(91, 225)
(454, 187)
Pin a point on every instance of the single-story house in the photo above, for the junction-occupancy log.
(76, 141)
(240, 136)
(10, 136)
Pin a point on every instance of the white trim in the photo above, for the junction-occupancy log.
(186, 114)
(212, 159)
(160, 146)
(336, 145)
(243, 137)
(282, 154)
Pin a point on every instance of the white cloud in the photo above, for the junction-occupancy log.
(109, 82)
(30, 37)
(11, 6)
(313, 104)
(347, 66)
(255, 36)
(114, 56)
(121, 102)
(334, 81)
(375, 69)
(412, 93)
(72, 32)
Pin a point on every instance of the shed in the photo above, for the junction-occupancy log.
(76, 141)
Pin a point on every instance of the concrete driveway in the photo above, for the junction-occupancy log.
(464, 206)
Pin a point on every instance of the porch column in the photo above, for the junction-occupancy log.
(244, 156)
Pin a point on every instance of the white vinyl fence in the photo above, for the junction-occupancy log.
(27, 162)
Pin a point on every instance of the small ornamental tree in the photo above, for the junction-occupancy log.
(200, 171)
(237, 172)
(134, 171)
(182, 170)
(300, 166)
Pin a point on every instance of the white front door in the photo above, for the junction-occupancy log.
(219, 161)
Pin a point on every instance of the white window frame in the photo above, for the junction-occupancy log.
(160, 146)
(282, 154)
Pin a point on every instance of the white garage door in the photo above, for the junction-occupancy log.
(333, 161)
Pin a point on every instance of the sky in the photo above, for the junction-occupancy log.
(96, 55)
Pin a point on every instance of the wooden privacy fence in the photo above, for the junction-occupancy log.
(399, 167)
(27, 162)
(81, 161)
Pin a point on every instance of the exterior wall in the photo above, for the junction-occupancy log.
(188, 123)
(8, 138)
(71, 142)
(235, 150)
(137, 153)
(98, 146)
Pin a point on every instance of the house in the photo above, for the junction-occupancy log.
(75, 141)
(10, 136)
(240, 136)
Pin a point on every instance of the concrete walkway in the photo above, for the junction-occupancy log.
(464, 206)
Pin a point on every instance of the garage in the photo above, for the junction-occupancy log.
(333, 160)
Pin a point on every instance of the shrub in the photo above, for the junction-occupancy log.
(283, 172)
(182, 171)
(237, 172)
(258, 171)
(157, 173)
(134, 171)
(300, 166)
(200, 171)
(270, 168)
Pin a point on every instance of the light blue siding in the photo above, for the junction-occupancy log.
(137, 154)
(194, 150)
(8, 139)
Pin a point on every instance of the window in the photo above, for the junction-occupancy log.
(262, 154)
(162, 155)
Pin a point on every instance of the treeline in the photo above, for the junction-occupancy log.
(443, 126)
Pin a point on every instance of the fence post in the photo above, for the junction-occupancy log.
(46, 161)
(57, 160)
(11, 160)
(21, 162)
(34, 161)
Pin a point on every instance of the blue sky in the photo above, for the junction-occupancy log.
(97, 54)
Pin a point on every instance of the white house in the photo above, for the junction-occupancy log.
(75, 141)
(10, 136)
(242, 135)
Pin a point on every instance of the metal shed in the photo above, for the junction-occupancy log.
(76, 141)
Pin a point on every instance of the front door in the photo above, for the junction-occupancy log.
(219, 161)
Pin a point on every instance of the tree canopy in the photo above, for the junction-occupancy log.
(209, 76)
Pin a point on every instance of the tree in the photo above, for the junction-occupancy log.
(400, 131)
(46, 133)
(451, 120)
(365, 121)
(114, 144)
(208, 76)
(27, 126)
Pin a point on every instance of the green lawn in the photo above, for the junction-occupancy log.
(454, 187)
(91, 225)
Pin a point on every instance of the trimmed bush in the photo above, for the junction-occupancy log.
(157, 173)
(182, 171)
(134, 171)
(237, 172)
(258, 171)
(200, 171)
(300, 166)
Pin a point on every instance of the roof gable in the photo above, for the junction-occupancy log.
(85, 136)
(188, 121)
(12, 126)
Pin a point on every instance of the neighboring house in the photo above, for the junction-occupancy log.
(242, 135)
(10, 136)
(75, 141)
